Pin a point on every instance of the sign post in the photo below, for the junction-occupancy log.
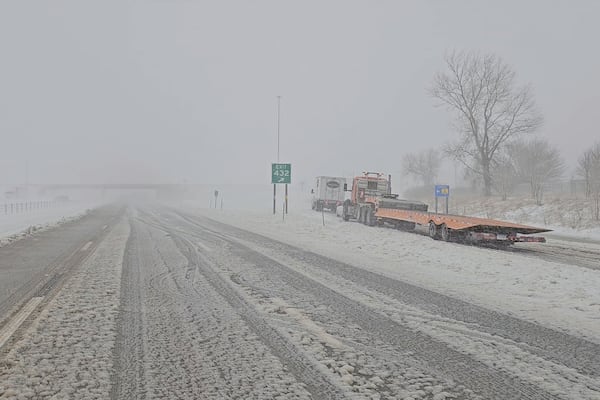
(442, 191)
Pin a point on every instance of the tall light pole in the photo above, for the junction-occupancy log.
(278, 123)
(274, 184)
(278, 129)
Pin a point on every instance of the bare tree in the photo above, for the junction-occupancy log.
(424, 166)
(536, 162)
(490, 109)
(589, 169)
(588, 162)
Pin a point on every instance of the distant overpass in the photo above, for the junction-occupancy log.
(159, 190)
(151, 186)
(231, 195)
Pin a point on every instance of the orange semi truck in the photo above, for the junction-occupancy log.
(372, 203)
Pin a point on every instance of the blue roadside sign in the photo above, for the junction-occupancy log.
(442, 190)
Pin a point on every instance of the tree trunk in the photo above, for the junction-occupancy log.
(487, 178)
(539, 192)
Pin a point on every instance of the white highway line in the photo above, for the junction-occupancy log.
(9, 329)
(87, 246)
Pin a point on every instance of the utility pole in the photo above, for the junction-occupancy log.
(278, 123)
(275, 185)
(285, 208)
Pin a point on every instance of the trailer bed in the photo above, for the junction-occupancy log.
(457, 222)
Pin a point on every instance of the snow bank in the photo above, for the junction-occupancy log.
(15, 226)
(565, 215)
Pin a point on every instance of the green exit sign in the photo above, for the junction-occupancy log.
(281, 173)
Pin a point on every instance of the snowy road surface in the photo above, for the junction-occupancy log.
(34, 264)
(172, 304)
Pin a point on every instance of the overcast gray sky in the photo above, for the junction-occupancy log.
(174, 91)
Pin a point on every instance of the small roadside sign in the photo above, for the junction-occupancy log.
(281, 173)
(442, 191)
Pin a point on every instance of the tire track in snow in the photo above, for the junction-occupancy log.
(200, 339)
(565, 349)
(443, 360)
(586, 258)
(128, 371)
(318, 385)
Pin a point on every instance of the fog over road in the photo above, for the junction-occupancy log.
(171, 304)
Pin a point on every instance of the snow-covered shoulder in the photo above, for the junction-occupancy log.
(14, 226)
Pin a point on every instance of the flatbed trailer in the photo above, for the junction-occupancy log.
(372, 203)
(449, 227)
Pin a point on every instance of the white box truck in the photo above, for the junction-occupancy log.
(328, 193)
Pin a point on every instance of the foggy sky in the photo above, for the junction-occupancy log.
(186, 91)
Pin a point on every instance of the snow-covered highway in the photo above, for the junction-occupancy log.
(173, 303)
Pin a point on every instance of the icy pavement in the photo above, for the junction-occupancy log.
(361, 326)
(68, 351)
(304, 351)
(558, 295)
(174, 305)
(182, 336)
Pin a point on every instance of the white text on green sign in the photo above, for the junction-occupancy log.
(281, 173)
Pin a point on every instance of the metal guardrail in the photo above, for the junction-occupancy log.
(25, 206)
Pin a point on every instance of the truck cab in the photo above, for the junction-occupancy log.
(368, 187)
(366, 190)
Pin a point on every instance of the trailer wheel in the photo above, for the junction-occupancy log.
(433, 230)
(445, 233)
